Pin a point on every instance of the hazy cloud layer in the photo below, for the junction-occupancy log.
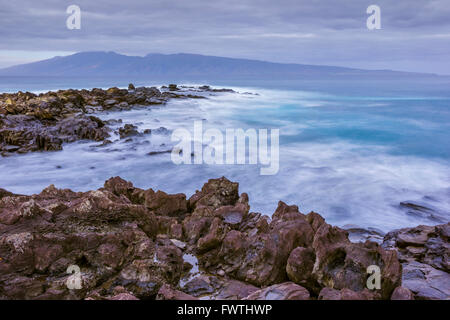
(415, 35)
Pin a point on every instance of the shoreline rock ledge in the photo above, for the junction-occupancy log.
(128, 243)
(32, 122)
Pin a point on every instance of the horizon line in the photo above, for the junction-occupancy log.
(226, 57)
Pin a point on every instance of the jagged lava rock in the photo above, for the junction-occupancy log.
(402, 293)
(282, 291)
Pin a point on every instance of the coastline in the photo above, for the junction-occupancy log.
(409, 189)
(131, 243)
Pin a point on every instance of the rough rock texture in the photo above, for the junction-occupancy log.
(130, 243)
(235, 290)
(128, 130)
(345, 294)
(282, 291)
(341, 264)
(300, 266)
(43, 122)
(426, 282)
(425, 244)
(168, 293)
(424, 253)
(402, 293)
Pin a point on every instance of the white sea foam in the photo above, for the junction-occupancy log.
(346, 182)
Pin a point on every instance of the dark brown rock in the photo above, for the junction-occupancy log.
(300, 266)
(123, 296)
(282, 291)
(426, 282)
(216, 193)
(97, 230)
(167, 205)
(345, 294)
(131, 243)
(315, 220)
(30, 122)
(119, 187)
(233, 215)
(261, 259)
(195, 227)
(425, 244)
(341, 264)
(202, 285)
(168, 293)
(128, 130)
(402, 293)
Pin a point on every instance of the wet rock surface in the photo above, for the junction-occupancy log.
(128, 243)
(282, 291)
(424, 254)
(43, 122)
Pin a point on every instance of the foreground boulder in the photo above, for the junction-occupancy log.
(123, 243)
(424, 254)
(425, 244)
(402, 293)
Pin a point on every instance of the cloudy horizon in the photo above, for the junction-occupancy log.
(414, 36)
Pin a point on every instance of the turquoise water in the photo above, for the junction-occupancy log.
(351, 151)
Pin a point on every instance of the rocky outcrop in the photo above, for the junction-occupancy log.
(424, 253)
(43, 122)
(425, 244)
(341, 264)
(128, 130)
(282, 291)
(26, 133)
(402, 293)
(123, 243)
(345, 294)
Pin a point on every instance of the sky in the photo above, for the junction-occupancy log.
(414, 34)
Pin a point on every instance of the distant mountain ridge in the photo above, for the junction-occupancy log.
(99, 63)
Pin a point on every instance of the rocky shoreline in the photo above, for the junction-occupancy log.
(131, 243)
(43, 122)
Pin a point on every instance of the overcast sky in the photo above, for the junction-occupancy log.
(415, 34)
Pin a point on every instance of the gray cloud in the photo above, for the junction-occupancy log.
(415, 34)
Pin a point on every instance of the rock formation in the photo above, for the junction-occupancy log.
(130, 243)
(43, 122)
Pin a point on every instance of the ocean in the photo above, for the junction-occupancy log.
(349, 150)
